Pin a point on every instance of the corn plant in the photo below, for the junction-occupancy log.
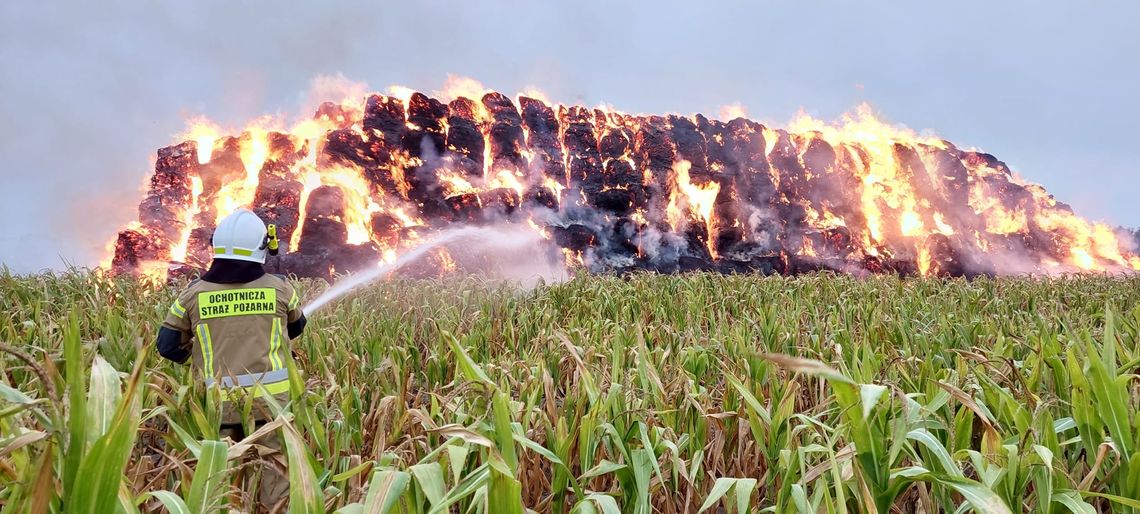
(635, 394)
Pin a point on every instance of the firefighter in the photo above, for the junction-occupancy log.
(231, 326)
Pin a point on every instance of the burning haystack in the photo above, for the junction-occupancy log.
(361, 181)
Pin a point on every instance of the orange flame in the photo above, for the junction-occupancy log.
(454, 184)
(506, 179)
(178, 253)
(554, 186)
(254, 150)
(204, 133)
(689, 197)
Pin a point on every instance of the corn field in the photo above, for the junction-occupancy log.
(631, 395)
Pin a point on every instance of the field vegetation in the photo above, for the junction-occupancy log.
(631, 395)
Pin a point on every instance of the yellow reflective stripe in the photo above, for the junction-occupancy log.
(275, 344)
(236, 251)
(230, 394)
(294, 300)
(177, 309)
(207, 350)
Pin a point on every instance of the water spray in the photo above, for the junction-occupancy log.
(518, 246)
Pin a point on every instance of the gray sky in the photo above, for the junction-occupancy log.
(90, 91)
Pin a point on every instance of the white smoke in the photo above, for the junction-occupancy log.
(510, 254)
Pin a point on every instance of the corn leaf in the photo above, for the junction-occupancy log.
(102, 397)
(978, 496)
(595, 503)
(1072, 501)
(429, 478)
(305, 496)
(602, 468)
(77, 411)
(719, 489)
(1109, 392)
(101, 470)
(935, 447)
(384, 491)
(209, 474)
(470, 369)
(173, 503)
(470, 483)
(42, 492)
(1127, 502)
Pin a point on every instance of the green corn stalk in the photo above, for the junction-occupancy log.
(630, 392)
(878, 484)
(305, 495)
(100, 470)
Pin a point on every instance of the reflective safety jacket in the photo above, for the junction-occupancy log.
(236, 333)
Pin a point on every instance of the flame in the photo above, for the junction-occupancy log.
(1105, 244)
(860, 126)
(923, 261)
(1088, 242)
(535, 93)
(453, 183)
(538, 228)
(358, 203)
(824, 220)
(1003, 221)
(506, 179)
(998, 219)
(770, 137)
(254, 150)
(462, 87)
(808, 248)
(887, 198)
(911, 224)
(204, 133)
(732, 111)
(407, 219)
(694, 198)
(554, 186)
(445, 260)
(465, 87)
(153, 270)
(310, 134)
(943, 227)
(573, 259)
(178, 252)
(404, 94)
(1082, 258)
(310, 180)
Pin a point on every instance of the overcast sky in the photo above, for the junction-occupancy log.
(89, 91)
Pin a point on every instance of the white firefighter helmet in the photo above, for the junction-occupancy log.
(240, 236)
